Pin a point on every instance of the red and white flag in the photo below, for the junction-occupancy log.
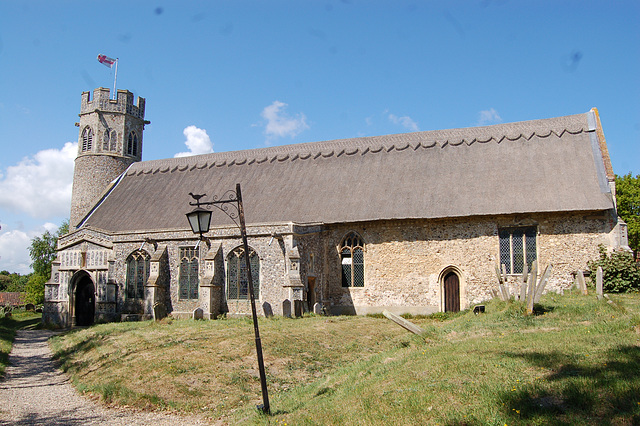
(106, 61)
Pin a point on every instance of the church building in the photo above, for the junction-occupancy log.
(409, 223)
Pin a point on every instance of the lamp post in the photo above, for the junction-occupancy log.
(199, 221)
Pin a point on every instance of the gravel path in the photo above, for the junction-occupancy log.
(35, 392)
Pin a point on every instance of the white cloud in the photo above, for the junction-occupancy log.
(405, 121)
(14, 252)
(198, 142)
(489, 116)
(14, 247)
(280, 124)
(40, 186)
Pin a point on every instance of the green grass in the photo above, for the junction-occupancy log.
(8, 327)
(577, 361)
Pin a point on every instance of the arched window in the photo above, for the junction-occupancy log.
(237, 279)
(105, 140)
(137, 274)
(87, 139)
(132, 144)
(352, 260)
(114, 140)
(188, 281)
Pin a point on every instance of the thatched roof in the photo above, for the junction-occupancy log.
(545, 165)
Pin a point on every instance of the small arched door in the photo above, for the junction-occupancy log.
(451, 292)
(85, 305)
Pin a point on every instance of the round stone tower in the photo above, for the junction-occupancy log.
(110, 140)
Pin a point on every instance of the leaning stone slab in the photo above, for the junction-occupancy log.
(403, 323)
(599, 290)
(266, 308)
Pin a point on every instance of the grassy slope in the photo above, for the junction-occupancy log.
(8, 327)
(577, 361)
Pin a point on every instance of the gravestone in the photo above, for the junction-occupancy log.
(599, 290)
(30, 307)
(286, 308)
(317, 308)
(266, 308)
(297, 308)
(582, 286)
(198, 314)
(159, 311)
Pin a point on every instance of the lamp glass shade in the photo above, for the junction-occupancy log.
(199, 220)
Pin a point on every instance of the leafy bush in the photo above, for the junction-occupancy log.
(621, 273)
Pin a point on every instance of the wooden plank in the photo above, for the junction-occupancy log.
(543, 282)
(403, 323)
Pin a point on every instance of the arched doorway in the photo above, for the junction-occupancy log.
(451, 287)
(85, 303)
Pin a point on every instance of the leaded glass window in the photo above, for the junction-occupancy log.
(352, 260)
(237, 278)
(137, 274)
(517, 246)
(132, 144)
(87, 139)
(188, 281)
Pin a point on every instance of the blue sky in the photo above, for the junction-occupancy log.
(227, 75)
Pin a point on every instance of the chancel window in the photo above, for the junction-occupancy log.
(87, 139)
(137, 274)
(352, 260)
(517, 246)
(132, 144)
(237, 278)
(188, 281)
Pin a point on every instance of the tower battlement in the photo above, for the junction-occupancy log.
(103, 102)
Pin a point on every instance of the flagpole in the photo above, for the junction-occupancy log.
(115, 78)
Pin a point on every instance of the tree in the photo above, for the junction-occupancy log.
(628, 204)
(43, 250)
(34, 290)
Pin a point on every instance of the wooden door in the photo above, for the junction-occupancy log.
(311, 293)
(451, 292)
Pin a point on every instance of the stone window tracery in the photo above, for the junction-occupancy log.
(132, 144)
(137, 274)
(517, 245)
(87, 139)
(352, 260)
(113, 141)
(237, 279)
(189, 280)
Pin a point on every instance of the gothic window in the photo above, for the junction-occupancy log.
(137, 274)
(237, 278)
(517, 246)
(114, 140)
(352, 260)
(188, 281)
(105, 140)
(132, 144)
(87, 139)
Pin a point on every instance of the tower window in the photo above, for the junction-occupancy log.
(132, 144)
(105, 140)
(352, 260)
(114, 141)
(87, 139)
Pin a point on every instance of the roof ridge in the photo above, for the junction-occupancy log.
(371, 144)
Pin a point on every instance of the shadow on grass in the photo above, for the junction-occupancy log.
(607, 393)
